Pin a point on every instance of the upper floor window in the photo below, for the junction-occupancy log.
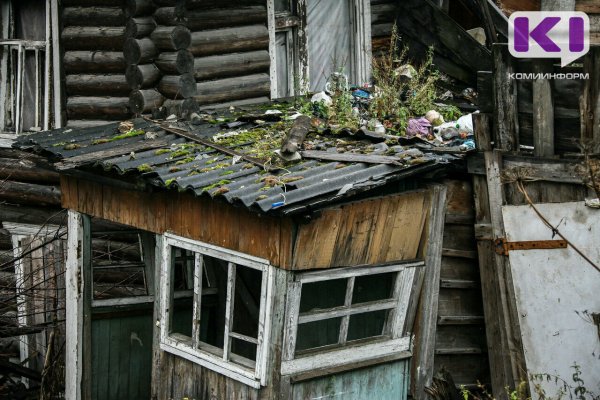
(26, 72)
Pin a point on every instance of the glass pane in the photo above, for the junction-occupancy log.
(246, 307)
(282, 5)
(373, 287)
(366, 325)
(322, 295)
(212, 318)
(318, 334)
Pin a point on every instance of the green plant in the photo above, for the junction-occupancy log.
(417, 85)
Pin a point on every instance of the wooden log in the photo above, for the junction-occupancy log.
(97, 85)
(205, 4)
(139, 51)
(93, 38)
(31, 215)
(292, 142)
(29, 193)
(93, 61)
(236, 64)
(139, 27)
(92, 3)
(142, 76)
(233, 89)
(93, 16)
(181, 108)
(203, 19)
(171, 37)
(26, 170)
(229, 40)
(109, 108)
(179, 62)
(137, 8)
(144, 101)
(178, 86)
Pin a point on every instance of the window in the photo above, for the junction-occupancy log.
(29, 82)
(346, 315)
(214, 306)
(311, 39)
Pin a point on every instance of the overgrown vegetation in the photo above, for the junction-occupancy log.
(402, 90)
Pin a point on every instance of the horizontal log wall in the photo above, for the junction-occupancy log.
(383, 15)
(92, 37)
(226, 52)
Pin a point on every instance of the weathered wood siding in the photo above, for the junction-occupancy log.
(368, 232)
(121, 355)
(592, 9)
(183, 214)
(383, 382)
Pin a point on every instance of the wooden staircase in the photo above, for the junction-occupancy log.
(460, 344)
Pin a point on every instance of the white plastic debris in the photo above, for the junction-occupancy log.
(592, 203)
(272, 112)
(321, 96)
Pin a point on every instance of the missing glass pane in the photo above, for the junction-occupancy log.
(212, 316)
(243, 349)
(246, 307)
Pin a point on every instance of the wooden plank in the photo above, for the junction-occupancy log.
(354, 233)
(590, 100)
(543, 112)
(407, 227)
(316, 241)
(505, 99)
(429, 296)
(350, 354)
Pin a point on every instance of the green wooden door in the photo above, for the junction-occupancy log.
(122, 353)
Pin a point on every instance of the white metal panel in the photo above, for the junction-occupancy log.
(553, 286)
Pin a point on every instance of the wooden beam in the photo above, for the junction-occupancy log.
(543, 111)
(505, 98)
(78, 307)
(424, 352)
(590, 100)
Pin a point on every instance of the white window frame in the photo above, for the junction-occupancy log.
(392, 344)
(181, 346)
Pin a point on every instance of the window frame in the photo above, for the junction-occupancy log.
(181, 346)
(390, 344)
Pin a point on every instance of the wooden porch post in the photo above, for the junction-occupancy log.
(78, 307)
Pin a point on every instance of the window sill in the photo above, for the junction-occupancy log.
(210, 361)
(307, 367)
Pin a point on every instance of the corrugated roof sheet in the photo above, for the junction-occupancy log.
(166, 159)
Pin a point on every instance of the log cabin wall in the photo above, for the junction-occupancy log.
(92, 38)
(218, 53)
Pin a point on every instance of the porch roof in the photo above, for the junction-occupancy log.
(162, 155)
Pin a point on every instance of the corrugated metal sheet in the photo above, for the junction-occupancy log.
(168, 160)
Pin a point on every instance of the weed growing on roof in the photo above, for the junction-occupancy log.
(226, 173)
(71, 146)
(161, 151)
(180, 153)
(417, 86)
(128, 134)
(185, 161)
(216, 184)
(144, 168)
(449, 112)
(168, 182)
